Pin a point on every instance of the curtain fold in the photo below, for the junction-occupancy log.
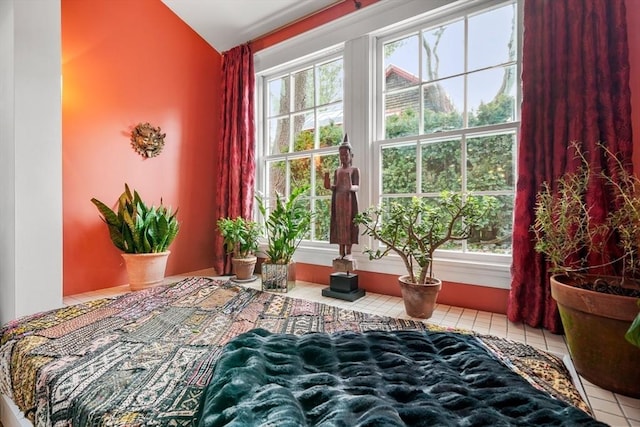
(236, 152)
(575, 87)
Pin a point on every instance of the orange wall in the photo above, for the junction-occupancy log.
(126, 62)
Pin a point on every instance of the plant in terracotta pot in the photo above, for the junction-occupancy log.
(143, 233)
(286, 224)
(595, 269)
(414, 229)
(240, 238)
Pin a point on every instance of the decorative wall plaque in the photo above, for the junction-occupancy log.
(147, 140)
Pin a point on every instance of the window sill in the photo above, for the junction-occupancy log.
(490, 271)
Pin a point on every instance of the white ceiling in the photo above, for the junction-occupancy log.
(228, 23)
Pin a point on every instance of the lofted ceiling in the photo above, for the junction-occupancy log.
(228, 23)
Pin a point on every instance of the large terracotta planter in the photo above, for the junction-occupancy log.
(594, 325)
(243, 267)
(419, 300)
(145, 270)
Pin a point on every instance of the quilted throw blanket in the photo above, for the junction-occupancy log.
(374, 378)
(145, 358)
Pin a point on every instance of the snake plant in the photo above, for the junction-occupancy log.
(136, 228)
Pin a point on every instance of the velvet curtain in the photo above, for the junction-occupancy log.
(236, 157)
(575, 82)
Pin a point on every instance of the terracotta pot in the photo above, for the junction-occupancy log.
(243, 267)
(594, 325)
(419, 300)
(145, 270)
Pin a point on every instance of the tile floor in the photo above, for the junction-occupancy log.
(611, 408)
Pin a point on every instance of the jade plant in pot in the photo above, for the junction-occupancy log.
(240, 237)
(287, 221)
(414, 229)
(143, 233)
(595, 266)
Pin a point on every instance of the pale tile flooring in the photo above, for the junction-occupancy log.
(611, 408)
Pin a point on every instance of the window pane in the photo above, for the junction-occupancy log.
(490, 162)
(276, 178)
(303, 90)
(441, 169)
(443, 104)
(494, 235)
(300, 172)
(399, 170)
(279, 136)
(331, 77)
(330, 119)
(443, 51)
(492, 38)
(303, 131)
(279, 96)
(325, 164)
(401, 63)
(402, 112)
(322, 218)
(492, 96)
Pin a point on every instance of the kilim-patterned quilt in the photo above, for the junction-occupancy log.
(145, 358)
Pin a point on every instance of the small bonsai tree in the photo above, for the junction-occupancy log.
(136, 228)
(415, 230)
(240, 236)
(286, 223)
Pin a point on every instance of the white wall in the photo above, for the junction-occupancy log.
(30, 157)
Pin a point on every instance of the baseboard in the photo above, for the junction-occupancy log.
(10, 415)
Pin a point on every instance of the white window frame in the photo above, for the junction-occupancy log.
(357, 34)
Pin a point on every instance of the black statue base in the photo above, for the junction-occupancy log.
(343, 286)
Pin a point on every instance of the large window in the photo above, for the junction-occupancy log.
(302, 128)
(428, 93)
(449, 96)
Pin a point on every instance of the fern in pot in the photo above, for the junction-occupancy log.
(414, 230)
(143, 233)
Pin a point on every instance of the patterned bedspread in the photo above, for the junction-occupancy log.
(144, 358)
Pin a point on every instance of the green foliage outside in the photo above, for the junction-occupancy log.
(489, 167)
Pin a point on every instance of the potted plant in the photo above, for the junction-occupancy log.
(286, 223)
(414, 230)
(143, 233)
(240, 238)
(597, 300)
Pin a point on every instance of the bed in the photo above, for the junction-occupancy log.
(210, 352)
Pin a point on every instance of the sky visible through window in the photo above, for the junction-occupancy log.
(490, 35)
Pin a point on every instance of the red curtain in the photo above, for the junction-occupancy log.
(575, 82)
(236, 157)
